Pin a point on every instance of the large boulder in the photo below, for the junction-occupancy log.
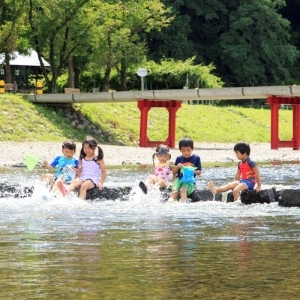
(250, 197)
(15, 190)
(109, 193)
(197, 195)
(289, 198)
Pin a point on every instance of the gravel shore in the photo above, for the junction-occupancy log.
(13, 153)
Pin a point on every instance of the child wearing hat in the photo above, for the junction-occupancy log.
(161, 169)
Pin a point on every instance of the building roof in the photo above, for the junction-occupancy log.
(30, 60)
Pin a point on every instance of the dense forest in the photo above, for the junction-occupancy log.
(191, 43)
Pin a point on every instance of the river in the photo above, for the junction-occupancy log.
(65, 248)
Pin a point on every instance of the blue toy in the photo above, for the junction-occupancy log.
(188, 174)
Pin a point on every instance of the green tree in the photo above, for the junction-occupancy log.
(172, 41)
(256, 47)
(58, 30)
(12, 24)
(120, 36)
(292, 12)
(174, 74)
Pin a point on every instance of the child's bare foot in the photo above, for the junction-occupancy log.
(170, 200)
(62, 188)
(212, 187)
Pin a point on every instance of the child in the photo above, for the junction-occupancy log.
(60, 162)
(91, 170)
(186, 147)
(246, 177)
(162, 169)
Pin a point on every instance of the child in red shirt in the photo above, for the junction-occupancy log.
(246, 177)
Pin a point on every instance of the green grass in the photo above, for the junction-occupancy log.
(21, 120)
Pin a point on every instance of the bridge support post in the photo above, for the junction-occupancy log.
(274, 103)
(274, 123)
(144, 106)
(296, 126)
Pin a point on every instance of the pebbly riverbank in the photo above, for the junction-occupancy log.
(13, 153)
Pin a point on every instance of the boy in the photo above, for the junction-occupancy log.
(60, 162)
(247, 174)
(186, 147)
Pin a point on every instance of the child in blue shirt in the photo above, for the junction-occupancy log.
(186, 147)
(65, 165)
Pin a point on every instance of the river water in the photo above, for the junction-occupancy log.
(65, 248)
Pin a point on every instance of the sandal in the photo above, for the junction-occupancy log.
(143, 187)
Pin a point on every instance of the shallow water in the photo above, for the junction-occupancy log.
(144, 249)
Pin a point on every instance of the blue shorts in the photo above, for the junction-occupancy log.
(65, 180)
(250, 184)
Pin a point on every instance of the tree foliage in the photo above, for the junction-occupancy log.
(101, 43)
(256, 48)
(176, 74)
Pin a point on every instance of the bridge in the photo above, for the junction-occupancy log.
(172, 99)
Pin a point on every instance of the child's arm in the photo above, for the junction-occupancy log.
(79, 169)
(197, 172)
(258, 180)
(172, 166)
(176, 168)
(237, 175)
(198, 166)
(52, 165)
(103, 173)
(47, 165)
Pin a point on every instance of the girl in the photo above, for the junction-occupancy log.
(91, 170)
(162, 169)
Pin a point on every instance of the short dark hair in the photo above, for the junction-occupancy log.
(69, 144)
(242, 147)
(186, 142)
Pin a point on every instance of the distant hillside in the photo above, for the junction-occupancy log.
(119, 123)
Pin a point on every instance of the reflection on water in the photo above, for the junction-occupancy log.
(144, 249)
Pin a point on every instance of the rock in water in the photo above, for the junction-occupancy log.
(289, 198)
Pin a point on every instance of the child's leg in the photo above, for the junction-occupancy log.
(54, 185)
(150, 180)
(175, 188)
(173, 196)
(60, 186)
(48, 178)
(161, 183)
(237, 190)
(186, 190)
(74, 184)
(183, 194)
(224, 188)
(87, 185)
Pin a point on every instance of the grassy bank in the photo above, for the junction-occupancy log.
(21, 120)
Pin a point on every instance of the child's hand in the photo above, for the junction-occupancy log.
(258, 188)
(78, 171)
(101, 187)
(47, 166)
(179, 166)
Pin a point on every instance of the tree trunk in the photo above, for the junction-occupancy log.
(7, 68)
(123, 80)
(76, 77)
(52, 87)
(106, 78)
(71, 78)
